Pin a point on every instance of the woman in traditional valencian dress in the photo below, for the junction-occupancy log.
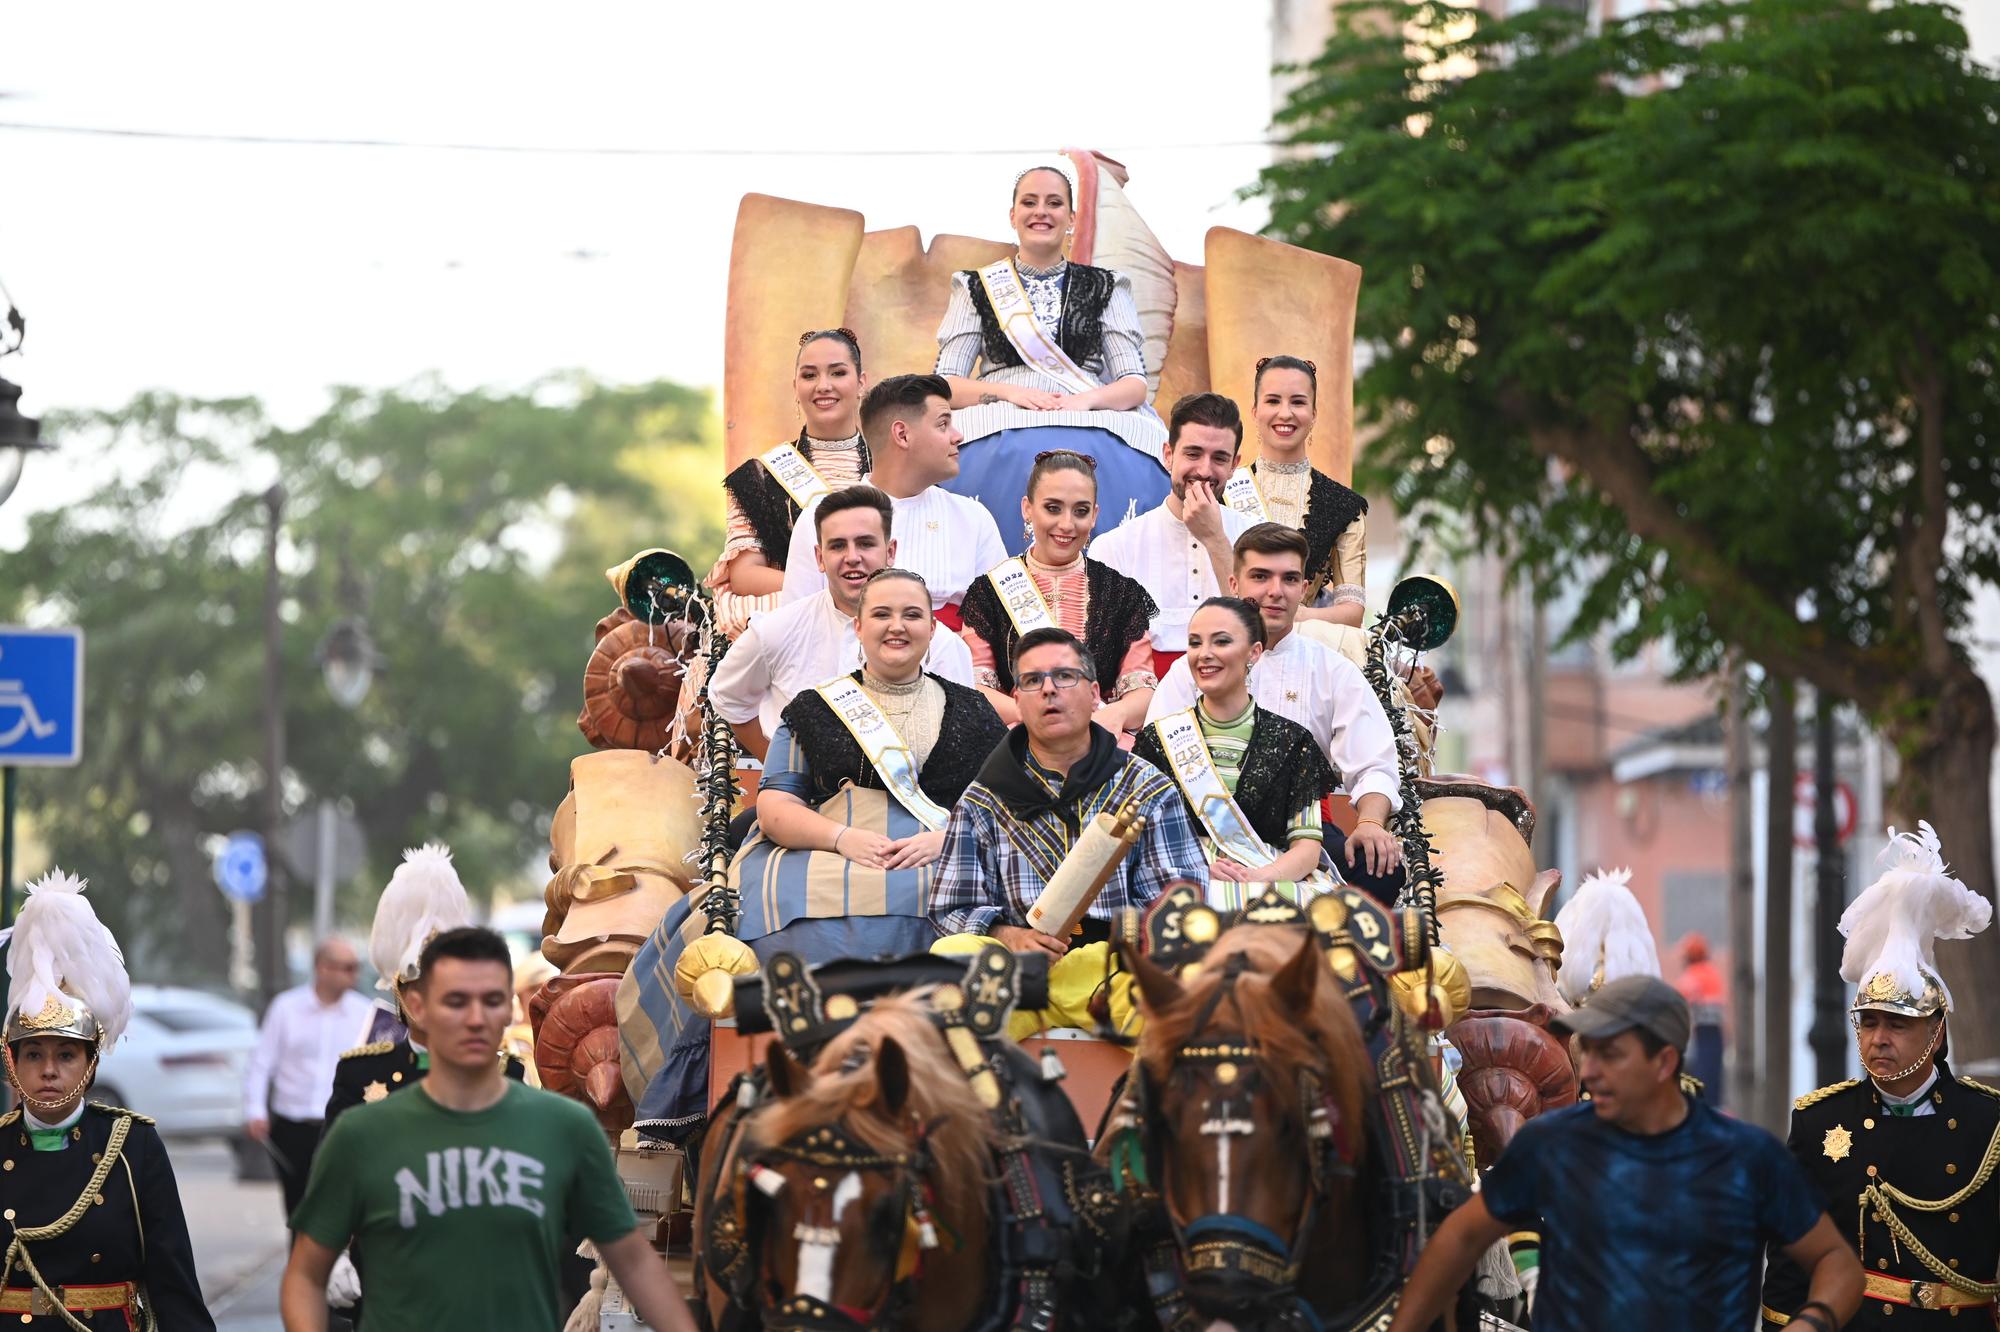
(1283, 487)
(1035, 343)
(766, 493)
(858, 784)
(1252, 779)
(94, 1231)
(1101, 606)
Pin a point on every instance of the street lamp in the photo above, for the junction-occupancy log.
(347, 662)
(18, 434)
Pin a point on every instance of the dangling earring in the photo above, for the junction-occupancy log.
(1027, 531)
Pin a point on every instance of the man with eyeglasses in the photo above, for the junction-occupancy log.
(1038, 791)
(290, 1073)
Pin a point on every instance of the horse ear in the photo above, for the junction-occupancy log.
(788, 1076)
(892, 1073)
(1157, 986)
(1298, 979)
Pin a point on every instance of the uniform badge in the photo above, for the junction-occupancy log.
(375, 1091)
(1839, 1142)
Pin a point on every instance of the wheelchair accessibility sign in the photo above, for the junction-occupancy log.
(41, 696)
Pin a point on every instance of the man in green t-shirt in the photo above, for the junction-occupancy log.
(462, 1194)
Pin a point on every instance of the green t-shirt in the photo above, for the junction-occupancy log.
(460, 1219)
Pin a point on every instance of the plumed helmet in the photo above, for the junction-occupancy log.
(1892, 929)
(1605, 936)
(424, 898)
(65, 973)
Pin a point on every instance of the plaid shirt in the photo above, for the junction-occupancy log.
(994, 865)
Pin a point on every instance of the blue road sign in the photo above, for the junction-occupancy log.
(41, 696)
(239, 869)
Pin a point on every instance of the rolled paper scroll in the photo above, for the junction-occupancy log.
(1084, 872)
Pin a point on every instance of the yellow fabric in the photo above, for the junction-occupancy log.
(1073, 978)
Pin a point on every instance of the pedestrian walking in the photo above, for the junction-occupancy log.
(1653, 1209)
(90, 1215)
(1703, 985)
(1910, 1150)
(462, 1195)
(290, 1073)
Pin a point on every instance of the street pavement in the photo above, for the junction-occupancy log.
(238, 1229)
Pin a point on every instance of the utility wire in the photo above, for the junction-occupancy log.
(577, 150)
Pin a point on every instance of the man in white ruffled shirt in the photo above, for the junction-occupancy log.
(803, 644)
(945, 539)
(1181, 551)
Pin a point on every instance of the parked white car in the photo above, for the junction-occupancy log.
(181, 1061)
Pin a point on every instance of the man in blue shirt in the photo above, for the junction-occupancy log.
(1653, 1209)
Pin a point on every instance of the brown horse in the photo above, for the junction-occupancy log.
(857, 1196)
(1252, 1082)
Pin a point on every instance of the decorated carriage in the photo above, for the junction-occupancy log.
(794, 1080)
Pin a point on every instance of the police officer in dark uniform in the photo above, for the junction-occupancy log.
(89, 1211)
(1906, 1157)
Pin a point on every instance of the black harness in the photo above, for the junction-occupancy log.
(1054, 1211)
(1414, 1181)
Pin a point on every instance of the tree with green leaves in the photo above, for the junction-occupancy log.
(1697, 309)
(469, 531)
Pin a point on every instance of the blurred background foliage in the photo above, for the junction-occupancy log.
(469, 532)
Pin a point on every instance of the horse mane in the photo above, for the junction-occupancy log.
(1287, 1040)
(843, 1084)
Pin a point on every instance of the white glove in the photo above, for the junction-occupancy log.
(343, 1283)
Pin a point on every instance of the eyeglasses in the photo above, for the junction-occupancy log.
(1062, 677)
(1083, 458)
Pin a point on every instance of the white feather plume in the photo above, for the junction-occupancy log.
(424, 897)
(61, 947)
(1895, 924)
(1603, 923)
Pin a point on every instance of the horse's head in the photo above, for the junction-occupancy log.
(1249, 1069)
(859, 1173)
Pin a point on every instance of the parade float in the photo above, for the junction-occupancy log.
(641, 847)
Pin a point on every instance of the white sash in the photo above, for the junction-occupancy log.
(1022, 597)
(1017, 321)
(884, 749)
(1187, 754)
(1240, 493)
(789, 468)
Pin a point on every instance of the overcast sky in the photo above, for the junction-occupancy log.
(275, 270)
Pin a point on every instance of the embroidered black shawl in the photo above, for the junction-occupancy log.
(1121, 612)
(768, 505)
(1330, 509)
(968, 733)
(1086, 293)
(1284, 770)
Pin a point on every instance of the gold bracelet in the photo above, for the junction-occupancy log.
(1362, 823)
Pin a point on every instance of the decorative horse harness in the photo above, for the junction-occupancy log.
(1417, 1176)
(1046, 1190)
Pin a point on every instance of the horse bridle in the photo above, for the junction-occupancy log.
(1223, 1243)
(736, 1234)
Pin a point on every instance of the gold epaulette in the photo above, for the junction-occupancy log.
(10, 1116)
(1692, 1085)
(1813, 1098)
(1979, 1086)
(110, 1109)
(377, 1048)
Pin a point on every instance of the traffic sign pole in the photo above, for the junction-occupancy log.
(6, 847)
